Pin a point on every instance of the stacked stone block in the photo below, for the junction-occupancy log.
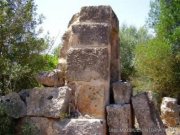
(119, 115)
(91, 64)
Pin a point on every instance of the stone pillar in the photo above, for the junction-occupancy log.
(92, 54)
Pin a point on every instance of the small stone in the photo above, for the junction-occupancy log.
(122, 92)
(55, 78)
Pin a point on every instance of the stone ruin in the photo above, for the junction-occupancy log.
(85, 95)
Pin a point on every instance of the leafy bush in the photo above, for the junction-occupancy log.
(130, 37)
(154, 65)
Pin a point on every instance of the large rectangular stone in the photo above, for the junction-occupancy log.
(119, 119)
(92, 97)
(98, 14)
(93, 34)
(46, 126)
(81, 127)
(48, 102)
(147, 116)
(86, 64)
(95, 13)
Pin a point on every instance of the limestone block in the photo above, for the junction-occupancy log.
(85, 64)
(147, 117)
(100, 14)
(170, 112)
(92, 34)
(45, 126)
(51, 79)
(119, 119)
(13, 105)
(48, 102)
(122, 92)
(91, 98)
(81, 127)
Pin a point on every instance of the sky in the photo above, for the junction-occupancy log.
(59, 12)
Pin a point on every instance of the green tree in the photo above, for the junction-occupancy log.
(20, 48)
(154, 62)
(154, 14)
(56, 51)
(165, 20)
(168, 28)
(130, 36)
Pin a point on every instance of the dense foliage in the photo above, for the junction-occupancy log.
(130, 37)
(20, 48)
(158, 62)
(153, 62)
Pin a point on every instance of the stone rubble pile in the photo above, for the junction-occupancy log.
(76, 96)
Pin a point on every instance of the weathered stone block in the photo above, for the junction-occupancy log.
(119, 119)
(122, 92)
(48, 102)
(45, 126)
(85, 64)
(170, 112)
(82, 127)
(13, 105)
(147, 117)
(91, 98)
(97, 14)
(90, 34)
(54, 78)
